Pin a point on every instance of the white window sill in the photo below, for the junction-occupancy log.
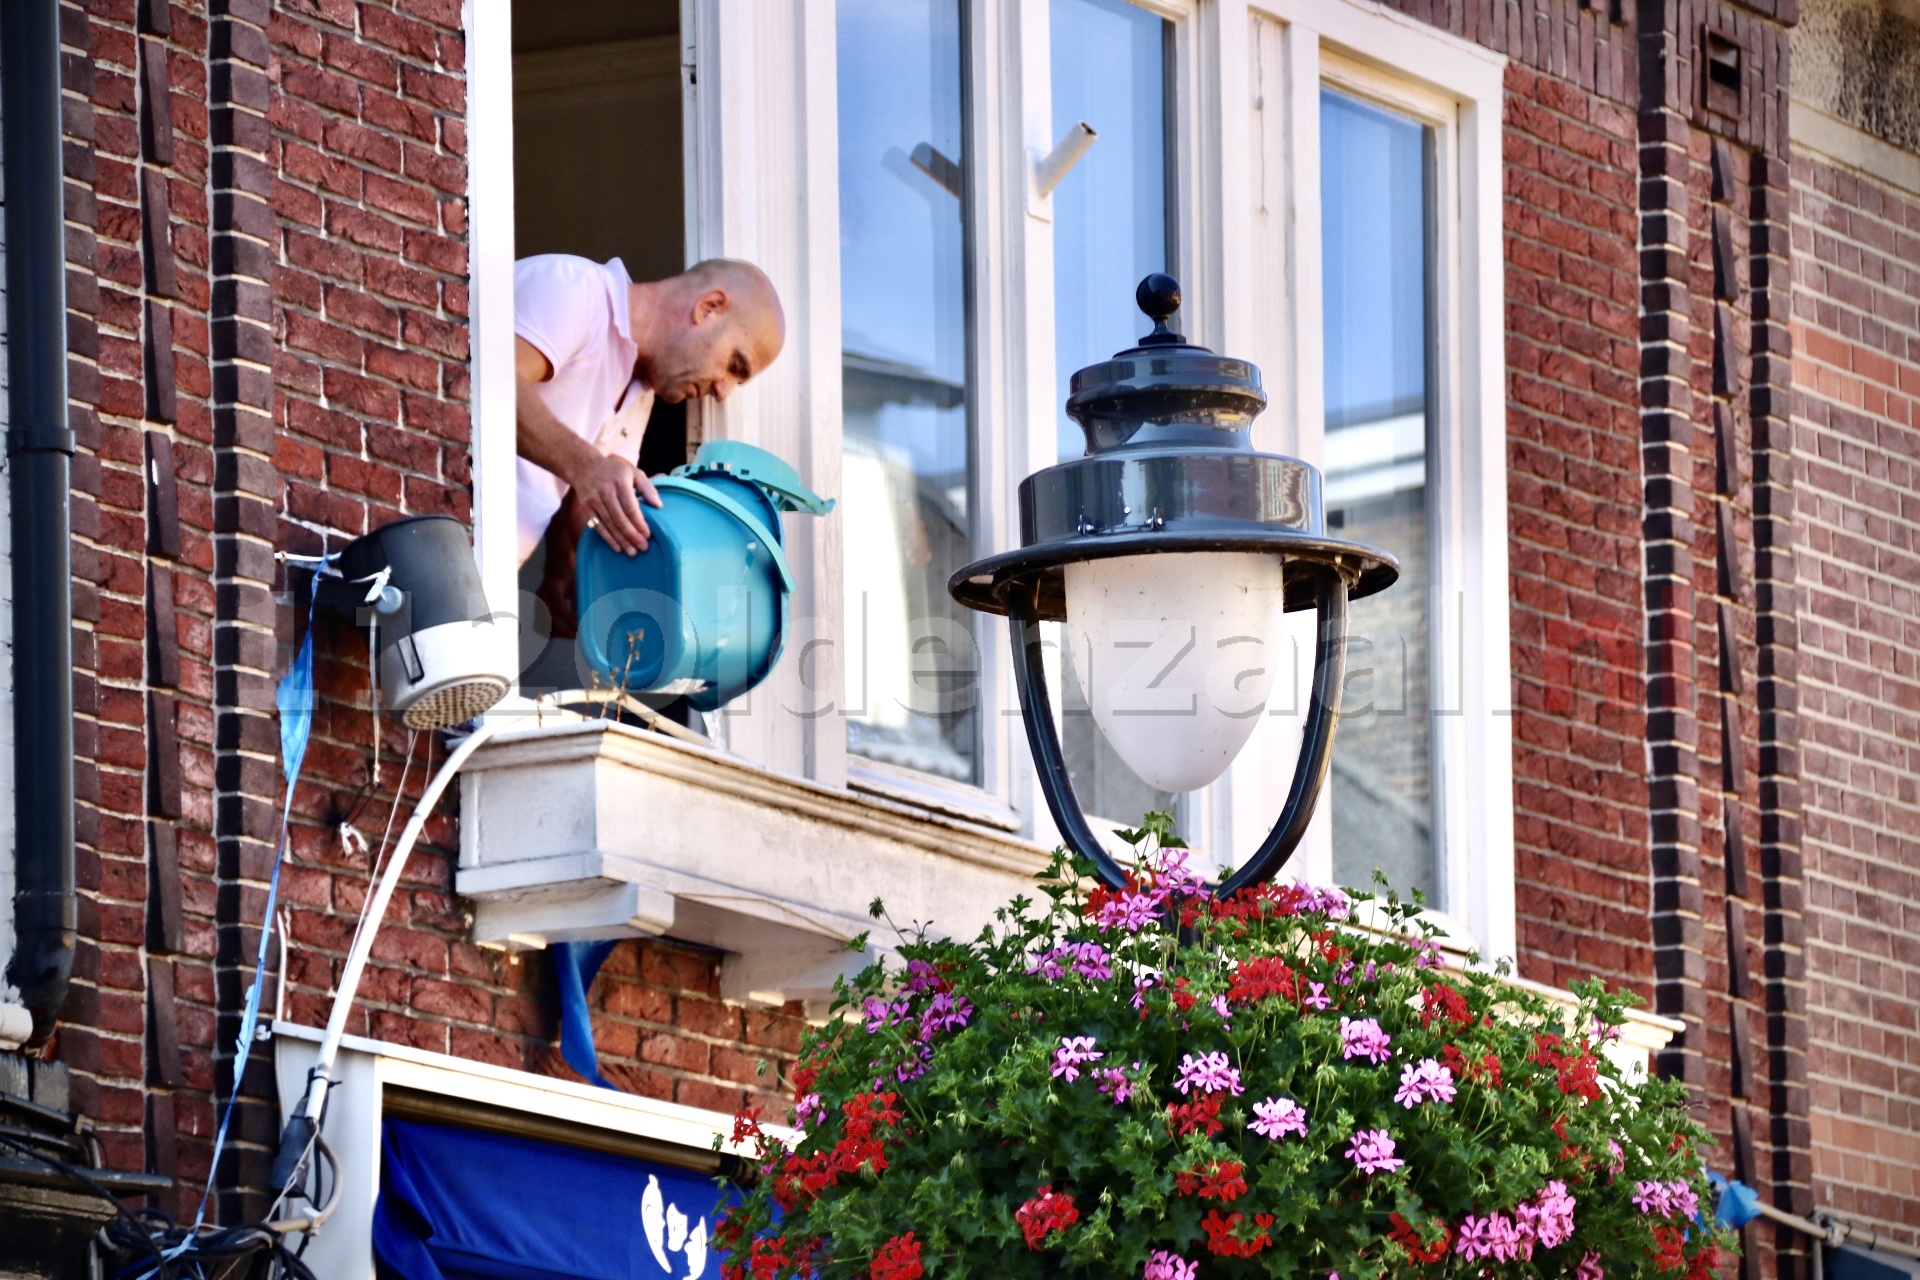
(588, 829)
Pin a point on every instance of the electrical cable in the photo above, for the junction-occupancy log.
(310, 1113)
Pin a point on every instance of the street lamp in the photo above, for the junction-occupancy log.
(1176, 546)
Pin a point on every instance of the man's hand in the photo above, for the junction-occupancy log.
(604, 487)
(607, 491)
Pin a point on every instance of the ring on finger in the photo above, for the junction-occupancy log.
(593, 522)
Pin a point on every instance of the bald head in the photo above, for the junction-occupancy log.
(706, 330)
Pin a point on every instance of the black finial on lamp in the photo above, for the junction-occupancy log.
(1159, 296)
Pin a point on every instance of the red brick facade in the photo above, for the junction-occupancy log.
(267, 239)
(1856, 245)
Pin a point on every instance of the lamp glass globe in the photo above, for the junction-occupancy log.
(1176, 655)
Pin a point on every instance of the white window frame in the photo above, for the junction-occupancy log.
(1296, 47)
(763, 183)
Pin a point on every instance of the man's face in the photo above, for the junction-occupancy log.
(715, 345)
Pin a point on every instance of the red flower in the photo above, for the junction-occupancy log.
(1668, 1245)
(1486, 1070)
(746, 1124)
(1222, 1180)
(865, 1110)
(1257, 980)
(803, 1081)
(1701, 1266)
(1419, 1251)
(1182, 997)
(1049, 1211)
(1579, 1073)
(1443, 1000)
(1223, 1234)
(898, 1259)
(1188, 1117)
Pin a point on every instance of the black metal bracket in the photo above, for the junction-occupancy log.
(1309, 776)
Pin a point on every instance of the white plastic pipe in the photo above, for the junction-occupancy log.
(318, 1082)
(1049, 169)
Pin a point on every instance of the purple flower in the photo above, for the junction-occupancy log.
(1425, 1081)
(1141, 985)
(1345, 976)
(881, 1014)
(921, 978)
(1162, 1265)
(809, 1109)
(1363, 1038)
(1074, 1051)
(1220, 1007)
(916, 1066)
(1275, 1118)
(946, 1012)
(1115, 1082)
(1372, 971)
(1209, 1073)
(1589, 1268)
(1372, 1152)
(1319, 999)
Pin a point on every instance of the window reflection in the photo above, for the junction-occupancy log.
(1112, 224)
(1375, 214)
(911, 664)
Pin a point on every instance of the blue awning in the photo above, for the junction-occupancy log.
(461, 1204)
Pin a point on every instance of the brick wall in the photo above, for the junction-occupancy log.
(1573, 493)
(1856, 251)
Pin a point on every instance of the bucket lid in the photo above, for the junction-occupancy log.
(771, 473)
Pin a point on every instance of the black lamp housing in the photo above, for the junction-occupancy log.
(1170, 467)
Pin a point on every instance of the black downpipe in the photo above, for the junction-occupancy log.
(39, 458)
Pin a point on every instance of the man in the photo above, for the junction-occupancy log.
(591, 351)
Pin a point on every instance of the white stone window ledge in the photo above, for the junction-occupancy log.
(592, 829)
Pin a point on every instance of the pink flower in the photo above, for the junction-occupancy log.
(1550, 1215)
(809, 1109)
(1275, 1118)
(1319, 999)
(1589, 1268)
(1619, 1155)
(1372, 1152)
(1088, 960)
(1169, 1266)
(1115, 1082)
(1426, 1081)
(1511, 1241)
(1074, 1051)
(1220, 1007)
(1209, 1073)
(881, 1014)
(1363, 1038)
(1666, 1199)
(1474, 1240)
(1131, 911)
(1141, 985)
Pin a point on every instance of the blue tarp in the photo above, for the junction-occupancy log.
(459, 1204)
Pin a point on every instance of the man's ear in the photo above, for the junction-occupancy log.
(712, 304)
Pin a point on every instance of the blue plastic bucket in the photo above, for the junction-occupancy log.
(702, 612)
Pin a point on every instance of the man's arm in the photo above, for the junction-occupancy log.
(603, 486)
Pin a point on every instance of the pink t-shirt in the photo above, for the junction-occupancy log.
(575, 311)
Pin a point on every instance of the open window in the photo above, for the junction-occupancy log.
(598, 172)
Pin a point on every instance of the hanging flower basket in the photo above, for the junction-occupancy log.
(1149, 1083)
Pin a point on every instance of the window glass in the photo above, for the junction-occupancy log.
(1111, 225)
(1376, 215)
(906, 470)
